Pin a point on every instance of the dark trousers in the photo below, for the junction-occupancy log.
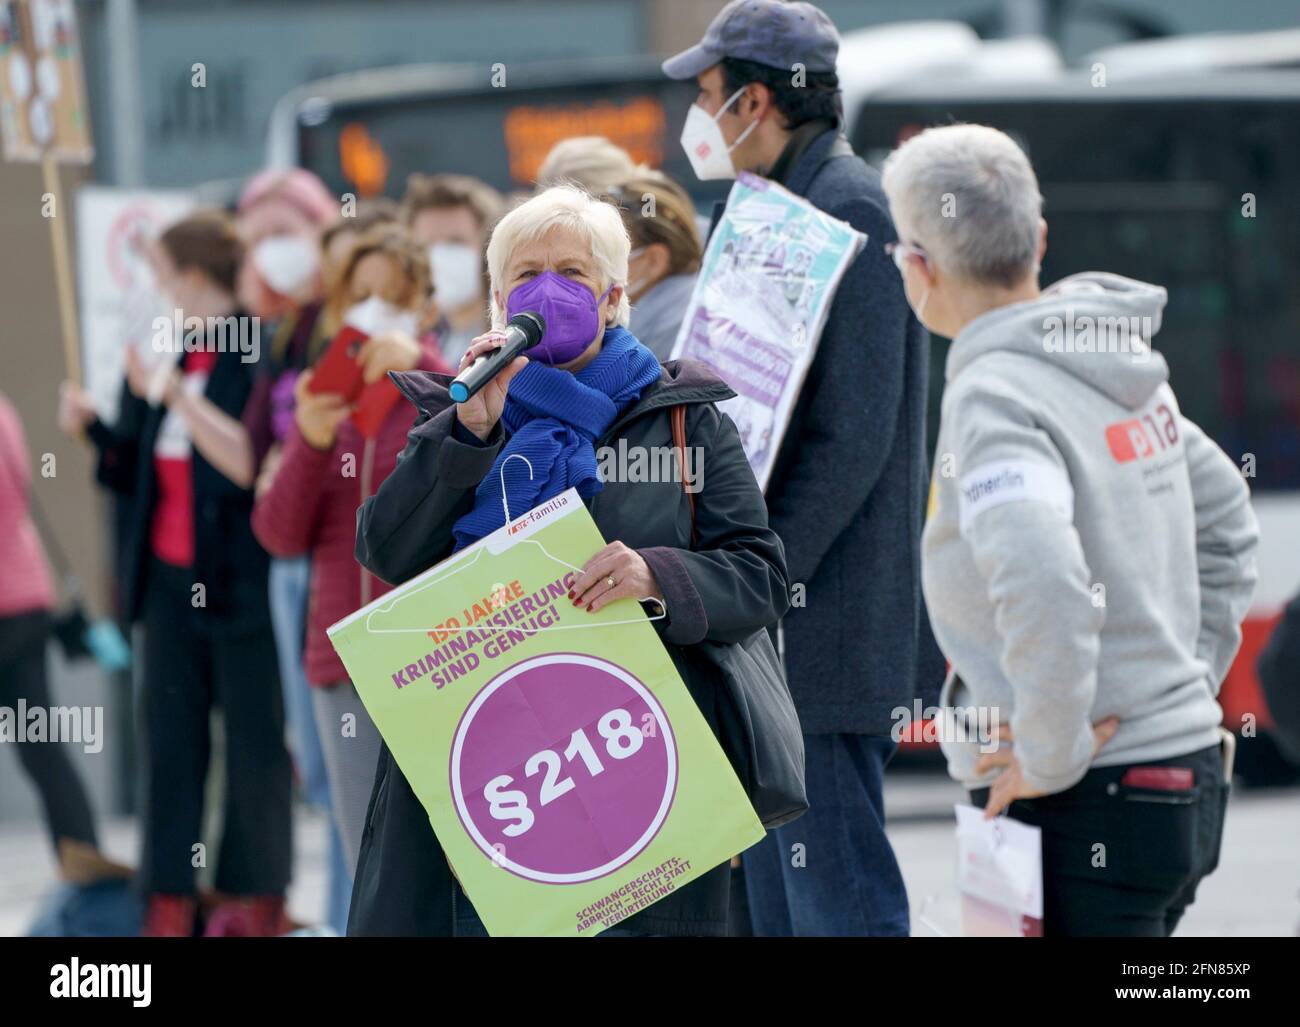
(22, 676)
(1121, 860)
(832, 871)
(190, 665)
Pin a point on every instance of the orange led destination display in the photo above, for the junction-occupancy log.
(531, 131)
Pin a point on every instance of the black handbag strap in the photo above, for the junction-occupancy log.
(677, 418)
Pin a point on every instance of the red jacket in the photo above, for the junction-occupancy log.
(311, 508)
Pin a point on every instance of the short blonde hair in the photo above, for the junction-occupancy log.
(593, 162)
(656, 209)
(597, 223)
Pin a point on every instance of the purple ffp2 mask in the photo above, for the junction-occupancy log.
(571, 313)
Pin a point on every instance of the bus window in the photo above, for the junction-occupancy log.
(1190, 194)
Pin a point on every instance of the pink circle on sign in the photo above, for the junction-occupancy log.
(547, 773)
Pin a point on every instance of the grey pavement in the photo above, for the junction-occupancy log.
(1256, 890)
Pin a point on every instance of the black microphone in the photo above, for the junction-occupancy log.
(523, 331)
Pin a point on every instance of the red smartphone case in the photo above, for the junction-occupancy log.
(338, 370)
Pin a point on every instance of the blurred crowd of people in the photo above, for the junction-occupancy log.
(239, 518)
(258, 510)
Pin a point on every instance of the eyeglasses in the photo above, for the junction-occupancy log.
(900, 251)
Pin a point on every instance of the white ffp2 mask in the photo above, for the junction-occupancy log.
(637, 285)
(706, 148)
(376, 316)
(287, 263)
(457, 273)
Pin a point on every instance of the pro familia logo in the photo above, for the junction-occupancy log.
(1143, 436)
(529, 522)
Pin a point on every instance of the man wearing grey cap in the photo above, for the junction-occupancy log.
(848, 488)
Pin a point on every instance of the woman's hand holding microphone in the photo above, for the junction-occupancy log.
(483, 409)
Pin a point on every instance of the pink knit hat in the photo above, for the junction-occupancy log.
(296, 186)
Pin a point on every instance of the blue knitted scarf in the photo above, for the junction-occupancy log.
(553, 418)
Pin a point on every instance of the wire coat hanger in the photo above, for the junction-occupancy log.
(449, 632)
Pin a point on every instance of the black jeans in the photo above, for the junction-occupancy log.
(1121, 860)
(190, 665)
(22, 676)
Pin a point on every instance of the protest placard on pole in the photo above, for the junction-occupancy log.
(566, 770)
(43, 118)
(760, 302)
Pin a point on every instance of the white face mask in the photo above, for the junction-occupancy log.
(636, 285)
(287, 263)
(705, 145)
(457, 273)
(376, 316)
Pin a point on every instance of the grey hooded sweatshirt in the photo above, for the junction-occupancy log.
(1089, 552)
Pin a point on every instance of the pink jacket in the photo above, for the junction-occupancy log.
(25, 583)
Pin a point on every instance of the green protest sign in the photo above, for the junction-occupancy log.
(567, 772)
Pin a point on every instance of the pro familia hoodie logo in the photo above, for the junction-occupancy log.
(1149, 434)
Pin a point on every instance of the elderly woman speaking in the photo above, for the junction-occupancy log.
(1089, 552)
(718, 572)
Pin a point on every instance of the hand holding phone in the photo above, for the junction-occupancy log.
(318, 414)
(340, 371)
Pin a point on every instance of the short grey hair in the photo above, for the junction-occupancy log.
(968, 196)
(597, 223)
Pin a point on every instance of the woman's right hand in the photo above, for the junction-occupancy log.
(318, 414)
(76, 411)
(483, 409)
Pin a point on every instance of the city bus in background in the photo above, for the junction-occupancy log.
(366, 131)
(1173, 161)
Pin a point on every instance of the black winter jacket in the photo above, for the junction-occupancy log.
(729, 585)
(228, 561)
(848, 489)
